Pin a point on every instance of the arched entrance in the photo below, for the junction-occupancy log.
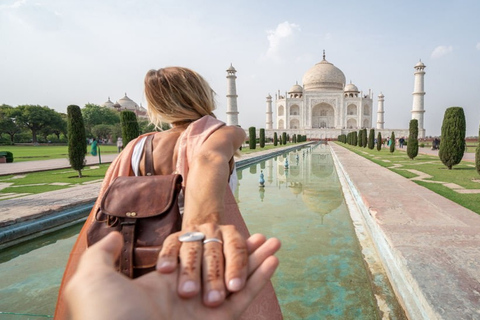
(323, 116)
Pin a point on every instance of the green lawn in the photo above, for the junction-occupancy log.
(45, 152)
(39, 182)
(463, 174)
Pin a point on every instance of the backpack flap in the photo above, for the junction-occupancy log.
(141, 197)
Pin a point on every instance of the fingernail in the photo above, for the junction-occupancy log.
(189, 286)
(214, 296)
(164, 264)
(235, 284)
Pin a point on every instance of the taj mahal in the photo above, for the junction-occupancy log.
(324, 106)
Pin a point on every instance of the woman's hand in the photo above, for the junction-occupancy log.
(98, 291)
(215, 267)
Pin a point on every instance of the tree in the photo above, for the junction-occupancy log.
(77, 140)
(36, 118)
(252, 138)
(284, 138)
(275, 139)
(477, 154)
(379, 141)
(130, 129)
(262, 138)
(360, 138)
(412, 142)
(452, 141)
(392, 143)
(364, 137)
(94, 115)
(371, 139)
(103, 131)
(7, 123)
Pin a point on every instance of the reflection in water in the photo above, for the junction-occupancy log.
(321, 273)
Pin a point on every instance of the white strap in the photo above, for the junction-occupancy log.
(137, 155)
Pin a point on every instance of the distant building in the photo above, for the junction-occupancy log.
(126, 103)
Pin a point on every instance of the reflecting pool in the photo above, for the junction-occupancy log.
(322, 274)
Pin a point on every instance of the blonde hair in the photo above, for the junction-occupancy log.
(176, 94)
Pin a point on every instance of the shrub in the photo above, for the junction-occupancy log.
(262, 138)
(275, 139)
(130, 127)
(77, 140)
(392, 143)
(379, 141)
(8, 156)
(252, 135)
(477, 154)
(422, 145)
(371, 139)
(412, 143)
(452, 141)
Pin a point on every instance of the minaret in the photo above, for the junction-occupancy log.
(269, 122)
(380, 111)
(232, 111)
(418, 108)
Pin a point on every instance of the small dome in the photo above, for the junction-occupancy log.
(324, 76)
(108, 103)
(127, 103)
(420, 64)
(351, 88)
(381, 95)
(231, 69)
(296, 88)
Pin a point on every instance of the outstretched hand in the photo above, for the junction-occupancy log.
(98, 291)
(215, 268)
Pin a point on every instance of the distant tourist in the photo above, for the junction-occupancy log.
(93, 150)
(119, 144)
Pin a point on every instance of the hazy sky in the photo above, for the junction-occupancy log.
(62, 52)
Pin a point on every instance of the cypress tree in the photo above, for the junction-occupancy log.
(275, 139)
(252, 138)
(371, 139)
(294, 138)
(77, 140)
(359, 138)
(284, 138)
(379, 141)
(477, 154)
(412, 142)
(355, 138)
(452, 141)
(392, 143)
(130, 128)
(364, 137)
(262, 138)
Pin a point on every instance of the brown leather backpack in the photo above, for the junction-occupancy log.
(145, 210)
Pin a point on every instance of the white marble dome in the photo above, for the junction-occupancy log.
(324, 76)
(127, 103)
(420, 64)
(351, 88)
(108, 103)
(296, 88)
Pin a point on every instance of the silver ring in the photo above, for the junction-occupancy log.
(212, 240)
(191, 236)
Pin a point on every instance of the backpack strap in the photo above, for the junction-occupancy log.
(148, 152)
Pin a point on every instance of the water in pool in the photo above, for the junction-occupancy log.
(322, 274)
